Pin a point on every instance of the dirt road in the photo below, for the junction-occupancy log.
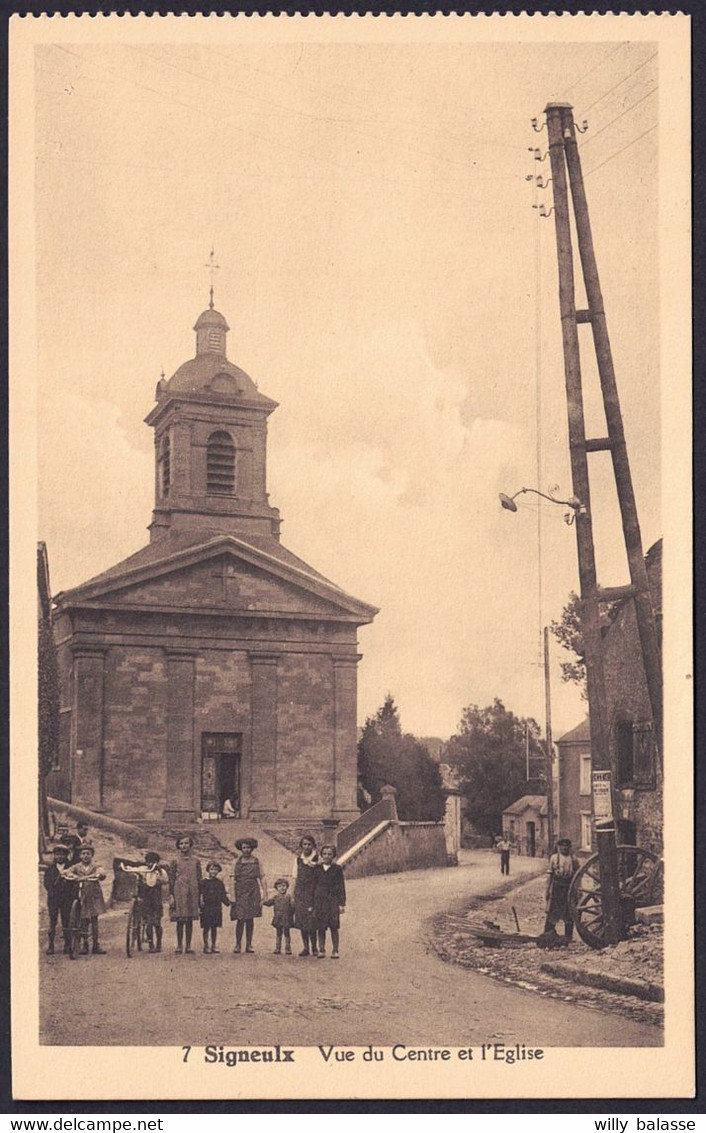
(387, 987)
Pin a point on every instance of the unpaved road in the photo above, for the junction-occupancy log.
(387, 987)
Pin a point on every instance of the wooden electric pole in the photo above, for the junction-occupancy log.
(560, 128)
(564, 156)
(549, 763)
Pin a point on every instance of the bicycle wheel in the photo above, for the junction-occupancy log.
(74, 929)
(133, 928)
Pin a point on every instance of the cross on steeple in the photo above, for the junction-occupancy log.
(213, 268)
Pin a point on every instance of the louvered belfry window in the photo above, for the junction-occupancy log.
(165, 463)
(220, 465)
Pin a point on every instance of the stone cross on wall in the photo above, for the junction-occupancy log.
(228, 574)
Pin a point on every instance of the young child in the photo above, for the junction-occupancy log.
(60, 894)
(151, 877)
(329, 900)
(184, 882)
(283, 919)
(92, 900)
(213, 895)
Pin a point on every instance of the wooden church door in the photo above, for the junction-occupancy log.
(220, 771)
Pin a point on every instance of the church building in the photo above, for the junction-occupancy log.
(213, 664)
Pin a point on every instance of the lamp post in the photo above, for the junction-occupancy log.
(577, 508)
(600, 758)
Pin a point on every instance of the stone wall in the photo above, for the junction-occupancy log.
(628, 700)
(402, 846)
(305, 735)
(134, 719)
(134, 738)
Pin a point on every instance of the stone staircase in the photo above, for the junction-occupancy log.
(215, 841)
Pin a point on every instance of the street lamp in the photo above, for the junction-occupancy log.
(577, 508)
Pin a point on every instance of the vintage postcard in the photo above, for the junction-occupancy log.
(350, 439)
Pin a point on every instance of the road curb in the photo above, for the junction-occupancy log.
(651, 992)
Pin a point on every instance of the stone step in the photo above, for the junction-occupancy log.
(217, 839)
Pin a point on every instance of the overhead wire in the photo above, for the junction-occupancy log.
(358, 173)
(585, 75)
(621, 150)
(619, 84)
(622, 114)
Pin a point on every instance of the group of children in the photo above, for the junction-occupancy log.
(314, 906)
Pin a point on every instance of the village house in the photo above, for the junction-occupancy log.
(525, 825)
(634, 749)
(213, 664)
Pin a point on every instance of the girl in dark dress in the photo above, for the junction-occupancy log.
(329, 900)
(213, 897)
(306, 862)
(250, 892)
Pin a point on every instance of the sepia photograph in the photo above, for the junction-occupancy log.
(350, 437)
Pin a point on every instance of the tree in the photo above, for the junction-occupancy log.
(48, 692)
(569, 634)
(387, 755)
(489, 756)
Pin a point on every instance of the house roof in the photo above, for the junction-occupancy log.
(535, 802)
(580, 734)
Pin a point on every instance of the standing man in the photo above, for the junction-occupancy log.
(503, 846)
(562, 867)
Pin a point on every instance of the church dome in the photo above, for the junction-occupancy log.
(211, 318)
(213, 373)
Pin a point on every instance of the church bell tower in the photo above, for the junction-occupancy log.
(210, 436)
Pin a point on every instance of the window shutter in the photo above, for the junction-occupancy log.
(643, 754)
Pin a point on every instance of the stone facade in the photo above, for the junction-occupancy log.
(213, 663)
(574, 794)
(635, 750)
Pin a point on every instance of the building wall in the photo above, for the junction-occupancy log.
(572, 802)
(134, 741)
(515, 829)
(305, 735)
(137, 699)
(402, 846)
(638, 802)
(628, 700)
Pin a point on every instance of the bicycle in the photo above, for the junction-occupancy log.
(136, 932)
(78, 927)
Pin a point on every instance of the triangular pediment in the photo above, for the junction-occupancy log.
(226, 575)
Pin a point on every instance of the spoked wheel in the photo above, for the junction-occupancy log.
(640, 880)
(75, 934)
(133, 935)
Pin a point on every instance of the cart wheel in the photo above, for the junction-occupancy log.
(74, 929)
(640, 879)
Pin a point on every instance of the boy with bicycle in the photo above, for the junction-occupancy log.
(89, 877)
(151, 877)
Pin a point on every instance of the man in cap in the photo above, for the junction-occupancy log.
(562, 866)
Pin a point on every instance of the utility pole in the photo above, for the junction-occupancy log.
(639, 589)
(549, 764)
(560, 127)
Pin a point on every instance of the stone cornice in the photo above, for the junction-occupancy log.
(95, 651)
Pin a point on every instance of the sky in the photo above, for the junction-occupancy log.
(388, 281)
